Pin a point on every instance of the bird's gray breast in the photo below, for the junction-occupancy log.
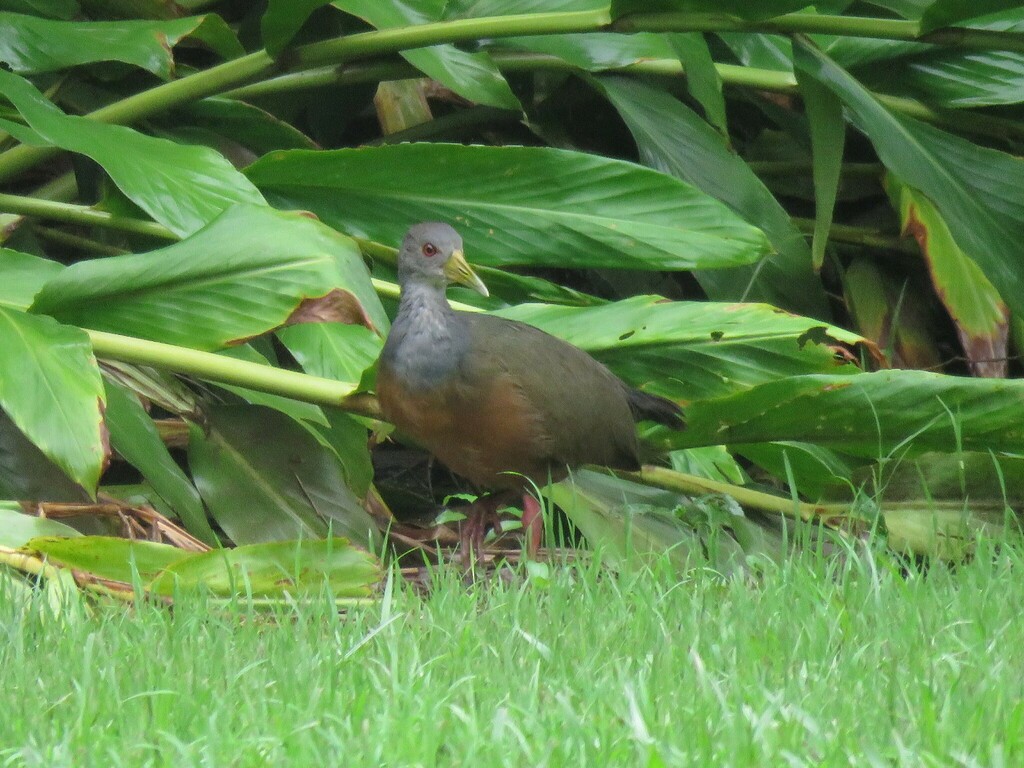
(426, 349)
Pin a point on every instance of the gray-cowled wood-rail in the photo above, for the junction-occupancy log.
(499, 402)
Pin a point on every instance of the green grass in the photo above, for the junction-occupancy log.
(810, 664)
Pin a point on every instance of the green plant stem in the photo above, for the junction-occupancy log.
(866, 236)
(790, 167)
(227, 370)
(661, 477)
(81, 214)
(78, 243)
(385, 41)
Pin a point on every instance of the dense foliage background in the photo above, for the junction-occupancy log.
(802, 225)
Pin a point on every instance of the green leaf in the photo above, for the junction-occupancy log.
(712, 461)
(296, 409)
(23, 276)
(332, 350)
(275, 569)
(182, 187)
(978, 191)
(283, 19)
(245, 274)
(673, 139)
(266, 478)
(349, 439)
(693, 350)
(981, 317)
(828, 134)
(944, 76)
(32, 45)
(702, 78)
(515, 205)
(108, 557)
(471, 75)
(134, 436)
(26, 473)
(946, 13)
(870, 414)
(815, 471)
(50, 387)
(51, 9)
(17, 528)
(250, 126)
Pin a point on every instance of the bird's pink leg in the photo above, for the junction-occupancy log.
(533, 524)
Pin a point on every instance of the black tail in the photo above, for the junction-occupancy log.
(647, 407)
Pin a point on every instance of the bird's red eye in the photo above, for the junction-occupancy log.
(429, 249)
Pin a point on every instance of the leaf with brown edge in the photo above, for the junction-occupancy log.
(335, 306)
(979, 313)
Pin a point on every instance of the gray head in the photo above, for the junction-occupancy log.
(432, 253)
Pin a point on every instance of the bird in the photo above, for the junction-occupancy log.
(499, 402)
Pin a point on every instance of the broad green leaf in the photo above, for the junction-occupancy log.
(471, 75)
(108, 557)
(182, 187)
(17, 528)
(349, 439)
(978, 311)
(245, 274)
(870, 414)
(274, 569)
(945, 13)
(815, 471)
(134, 436)
(297, 409)
(31, 45)
(978, 191)
(332, 350)
(828, 135)
(761, 51)
(942, 75)
(50, 9)
(265, 478)
(694, 350)
(250, 126)
(26, 472)
(712, 461)
(741, 9)
(702, 79)
(515, 205)
(283, 19)
(50, 387)
(673, 139)
(23, 276)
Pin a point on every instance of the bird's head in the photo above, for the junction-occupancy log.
(432, 251)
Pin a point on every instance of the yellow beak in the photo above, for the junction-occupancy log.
(457, 270)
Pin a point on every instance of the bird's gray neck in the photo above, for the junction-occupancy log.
(428, 338)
